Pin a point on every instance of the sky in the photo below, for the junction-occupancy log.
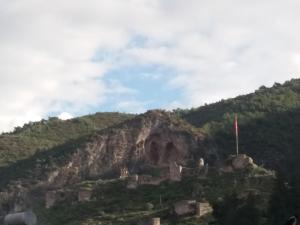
(69, 58)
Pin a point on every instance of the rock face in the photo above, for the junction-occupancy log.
(154, 138)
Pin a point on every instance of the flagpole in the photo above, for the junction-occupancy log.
(237, 144)
(236, 135)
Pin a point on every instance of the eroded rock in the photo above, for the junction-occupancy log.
(153, 138)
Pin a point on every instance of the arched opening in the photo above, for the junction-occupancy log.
(154, 152)
(170, 152)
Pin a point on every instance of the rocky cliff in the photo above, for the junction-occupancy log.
(155, 138)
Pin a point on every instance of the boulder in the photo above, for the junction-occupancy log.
(241, 162)
(24, 218)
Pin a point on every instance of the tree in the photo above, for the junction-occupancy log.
(236, 211)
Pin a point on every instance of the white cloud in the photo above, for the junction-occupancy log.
(65, 116)
(219, 49)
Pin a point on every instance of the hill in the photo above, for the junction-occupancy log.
(46, 134)
(269, 121)
(61, 158)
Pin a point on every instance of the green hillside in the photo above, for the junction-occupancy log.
(269, 123)
(46, 134)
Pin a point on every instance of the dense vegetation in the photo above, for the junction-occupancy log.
(269, 122)
(39, 136)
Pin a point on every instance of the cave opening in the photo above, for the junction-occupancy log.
(154, 152)
(170, 152)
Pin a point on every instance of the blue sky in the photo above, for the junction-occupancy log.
(148, 86)
(68, 58)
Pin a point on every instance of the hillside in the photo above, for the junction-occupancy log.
(39, 136)
(155, 137)
(269, 122)
(62, 158)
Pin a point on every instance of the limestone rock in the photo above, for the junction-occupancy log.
(154, 138)
(241, 162)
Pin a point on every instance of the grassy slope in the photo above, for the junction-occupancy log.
(44, 135)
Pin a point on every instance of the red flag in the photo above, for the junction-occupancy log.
(236, 127)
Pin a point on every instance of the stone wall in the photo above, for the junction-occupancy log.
(124, 172)
(149, 180)
(203, 208)
(155, 221)
(85, 195)
(50, 199)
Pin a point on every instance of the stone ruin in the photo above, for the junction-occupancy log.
(155, 221)
(132, 182)
(192, 207)
(124, 173)
(185, 207)
(174, 174)
(85, 195)
(53, 196)
(150, 180)
(203, 208)
(50, 199)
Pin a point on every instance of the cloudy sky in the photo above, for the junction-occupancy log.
(73, 57)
